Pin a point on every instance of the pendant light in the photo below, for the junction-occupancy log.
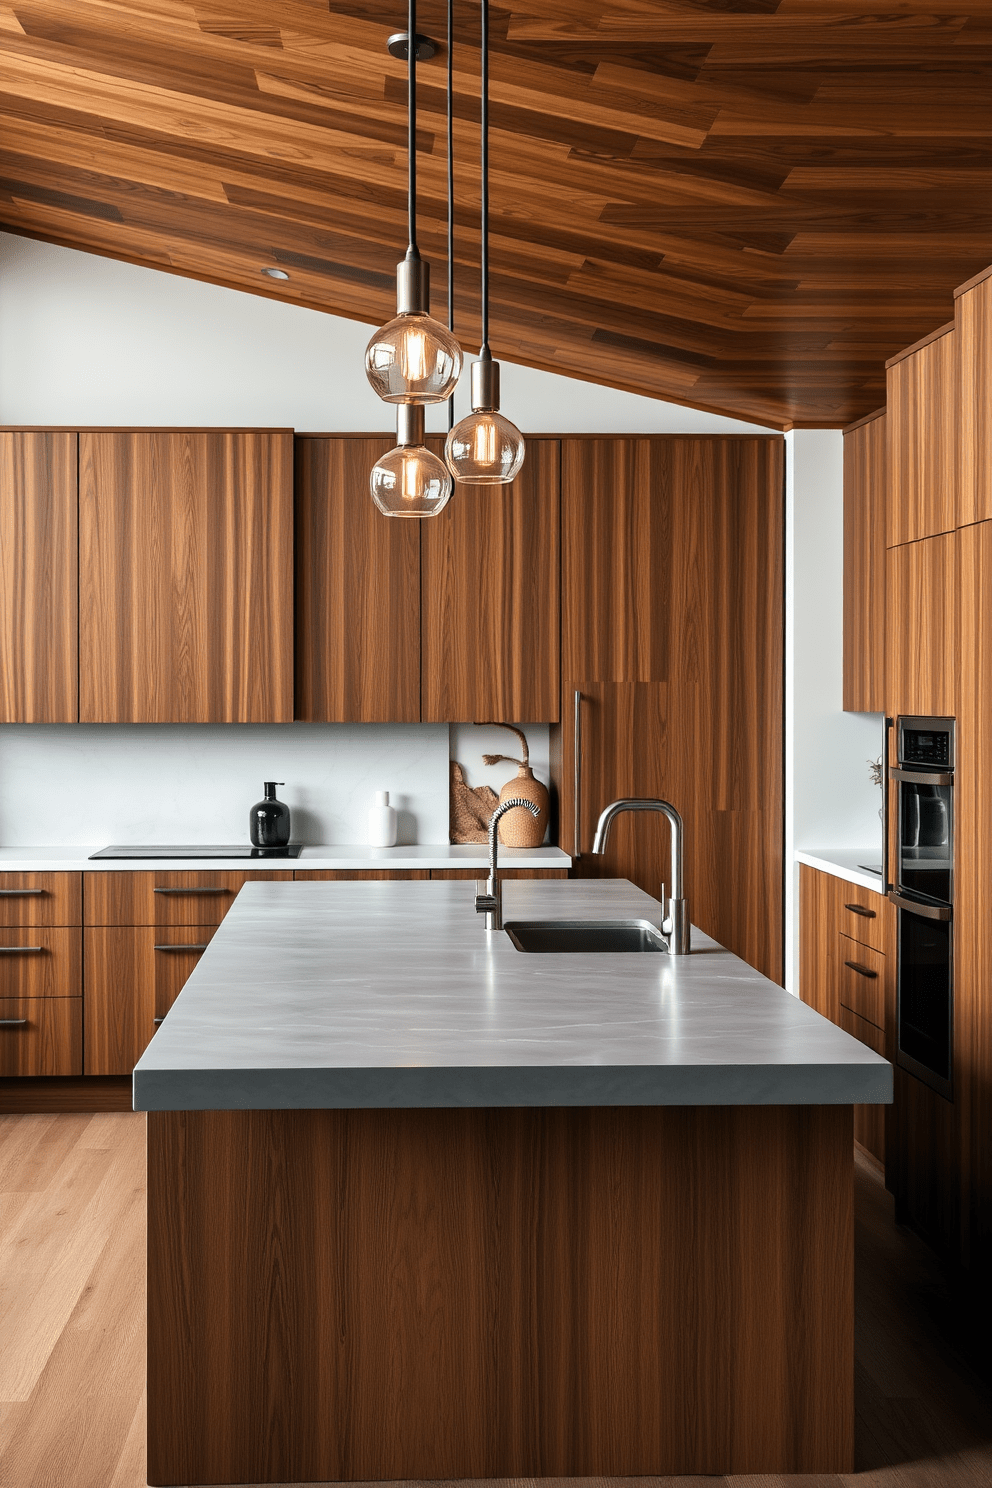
(414, 358)
(410, 481)
(485, 449)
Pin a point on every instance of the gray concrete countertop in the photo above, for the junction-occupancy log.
(338, 995)
(342, 857)
(847, 863)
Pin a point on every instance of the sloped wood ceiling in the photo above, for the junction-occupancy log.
(740, 205)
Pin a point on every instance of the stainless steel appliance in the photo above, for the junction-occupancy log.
(923, 892)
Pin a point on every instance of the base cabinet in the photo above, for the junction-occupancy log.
(133, 975)
(847, 953)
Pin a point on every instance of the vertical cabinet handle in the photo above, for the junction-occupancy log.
(577, 778)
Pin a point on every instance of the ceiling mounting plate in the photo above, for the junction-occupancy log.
(396, 46)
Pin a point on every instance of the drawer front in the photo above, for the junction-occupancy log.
(41, 899)
(866, 917)
(198, 898)
(175, 954)
(41, 1036)
(869, 1121)
(861, 974)
(134, 973)
(41, 962)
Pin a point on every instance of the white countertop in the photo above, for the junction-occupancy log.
(847, 863)
(391, 994)
(441, 855)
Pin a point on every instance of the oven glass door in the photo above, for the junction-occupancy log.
(925, 840)
(925, 1002)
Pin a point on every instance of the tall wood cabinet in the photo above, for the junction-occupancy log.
(921, 426)
(973, 444)
(673, 635)
(357, 590)
(38, 569)
(186, 576)
(865, 491)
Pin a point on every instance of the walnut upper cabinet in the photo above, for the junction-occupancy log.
(491, 598)
(922, 429)
(923, 657)
(186, 576)
(357, 590)
(864, 565)
(38, 577)
(973, 337)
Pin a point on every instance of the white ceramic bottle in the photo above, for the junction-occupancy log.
(382, 822)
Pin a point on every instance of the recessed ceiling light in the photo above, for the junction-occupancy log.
(276, 273)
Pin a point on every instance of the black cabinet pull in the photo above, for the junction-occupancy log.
(13, 1022)
(159, 1020)
(192, 891)
(861, 970)
(20, 950)
(859, 909)
(20, 893)
(202, 947)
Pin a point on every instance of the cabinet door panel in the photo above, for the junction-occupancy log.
(466, 875)
(490, 598)
(861, 975)
(119, 994)
(164, 898)
(869, 1121)
(864, 566)
(921, 428)
(41, 1036)
(176, 953)
(186, 542)
(38, 578)
(357, 591)
(357, 875)
(921, 645)
(973, 338)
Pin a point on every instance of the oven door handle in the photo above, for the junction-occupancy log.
(925, 911)
(921, 777)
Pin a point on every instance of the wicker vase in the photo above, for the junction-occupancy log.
(518, 828)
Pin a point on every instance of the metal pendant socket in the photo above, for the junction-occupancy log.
(413, 286)
(485, 385)
(409, 423)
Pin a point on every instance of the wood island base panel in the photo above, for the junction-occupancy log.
(491, 1293)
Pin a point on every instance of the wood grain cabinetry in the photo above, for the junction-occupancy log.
(490, 598)
(133, 975)
(922, 432)
(357, 590)
(921, 642)
(973, 337)
(673, 634)
(186, 576)
(865, 485)
(41, 1006)
(162, 897)
(38, 577)
(847, 968)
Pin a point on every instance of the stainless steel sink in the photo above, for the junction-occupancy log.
(557, 936)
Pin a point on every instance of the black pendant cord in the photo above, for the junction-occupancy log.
(411, 104)
(484, 153)
(451, 189)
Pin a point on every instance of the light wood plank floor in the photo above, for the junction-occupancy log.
(72, 1329)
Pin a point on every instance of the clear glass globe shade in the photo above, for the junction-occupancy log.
(413, 359)
(410, 482)
(484, 449)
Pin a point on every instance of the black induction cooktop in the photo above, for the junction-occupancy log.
(237, 850)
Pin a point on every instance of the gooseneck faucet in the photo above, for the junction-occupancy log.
(491, 902)
(674, 911)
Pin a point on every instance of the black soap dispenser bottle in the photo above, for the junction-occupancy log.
(268, 820)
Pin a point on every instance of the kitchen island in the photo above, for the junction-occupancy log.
(424, 1206)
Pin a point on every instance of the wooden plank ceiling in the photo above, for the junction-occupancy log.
(736, 204)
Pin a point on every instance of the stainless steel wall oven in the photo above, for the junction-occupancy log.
(923, 892)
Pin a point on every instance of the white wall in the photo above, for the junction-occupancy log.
(830, 800)
(88, 340)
